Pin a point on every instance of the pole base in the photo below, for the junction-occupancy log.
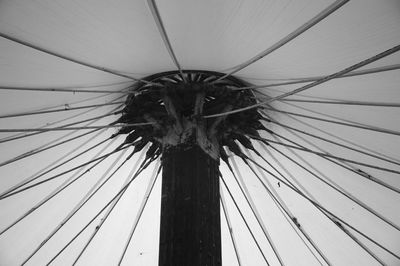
(190, 231)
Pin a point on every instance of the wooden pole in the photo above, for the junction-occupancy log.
(191, 147)
(190, 231)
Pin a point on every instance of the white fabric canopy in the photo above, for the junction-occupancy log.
(123, 37)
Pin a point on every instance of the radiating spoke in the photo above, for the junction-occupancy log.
(331, 216)
(334, 142)
(66, 108)
(59, 55)
(313, 84)
(332, 136)
(228, 222)
(114, 204)
(353, 124)
(73, 89)
(346, 166)
(47, 146)
(322, 154)
(312, 79)
(327, 213)
(160, 25)
(65, 172)
(337, 188)
(76, 176)
(96, 118)
(290, 218)
(73, 128)
(342, 102)
(89, 194)
(314, 21)
(243, 188)
(244, 220)
(121, 192)
(303, 190)
(147, 194)
(54, 167)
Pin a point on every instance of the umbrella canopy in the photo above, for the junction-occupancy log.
(325, 187)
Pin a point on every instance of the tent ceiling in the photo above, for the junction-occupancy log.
(122, 36)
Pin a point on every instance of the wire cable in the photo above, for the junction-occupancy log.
(324, 114)
(290, 218)
(354, 124)
(63, 173)
(340, 190)
(313, 84)
(284, 209)
(310, 196)
(160, 25)
(312, 79)
(244, 220)
(49, 144)
(141, 209)
(74, 86)
(344, 140)
(53, 163)
(333, 142)
(114, 204)
(122, 191)
(314, 21)
(74, 128)
(20, 136)
(59, 55)
(228, 223)
(44, 172)
(76, 176)
(323, 154)
(250, 203)
(343, 102)
(50, 89)
(302, 148)
(92, 191)
(66, 108)
(294, 179)
(47, 147)
(329, 215)
(353, 169)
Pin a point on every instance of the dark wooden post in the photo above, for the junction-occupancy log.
(191, 143)
(190, 233)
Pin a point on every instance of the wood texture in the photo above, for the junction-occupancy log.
(190, 232)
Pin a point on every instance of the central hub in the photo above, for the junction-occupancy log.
(176, 105)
